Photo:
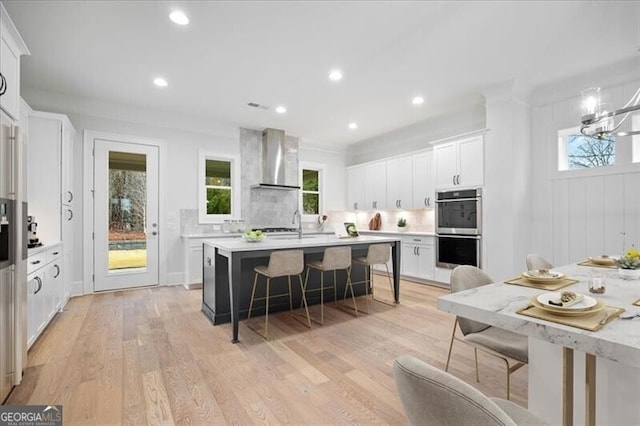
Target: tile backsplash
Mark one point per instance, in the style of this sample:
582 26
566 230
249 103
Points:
421 220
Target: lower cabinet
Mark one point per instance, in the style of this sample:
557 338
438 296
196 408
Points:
418 257
192 249
45 289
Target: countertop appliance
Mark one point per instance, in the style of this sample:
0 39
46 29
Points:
458 228
32 228
13 265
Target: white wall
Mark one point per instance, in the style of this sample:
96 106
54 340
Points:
181 160
576 217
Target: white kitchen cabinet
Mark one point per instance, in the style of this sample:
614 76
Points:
423 180
399 173
44 288
418 257
192 251
460 163
375 185
355 188
50 185
11 48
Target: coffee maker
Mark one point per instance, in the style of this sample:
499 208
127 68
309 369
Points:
32 227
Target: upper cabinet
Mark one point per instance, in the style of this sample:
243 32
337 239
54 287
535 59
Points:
400 183
423 180
11 48
355 188
460 163
375 186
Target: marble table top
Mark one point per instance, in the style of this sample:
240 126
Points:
496 304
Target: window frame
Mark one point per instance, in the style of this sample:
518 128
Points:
624 150
320 168
203 217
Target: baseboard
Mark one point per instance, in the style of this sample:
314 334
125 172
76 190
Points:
174 278
77 289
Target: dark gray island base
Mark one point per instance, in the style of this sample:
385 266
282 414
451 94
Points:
228 273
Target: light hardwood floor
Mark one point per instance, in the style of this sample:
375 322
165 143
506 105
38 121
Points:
150 357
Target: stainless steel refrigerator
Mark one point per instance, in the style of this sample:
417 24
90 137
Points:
13 253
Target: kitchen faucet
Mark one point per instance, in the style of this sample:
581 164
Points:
298 215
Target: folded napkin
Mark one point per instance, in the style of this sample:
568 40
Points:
559 302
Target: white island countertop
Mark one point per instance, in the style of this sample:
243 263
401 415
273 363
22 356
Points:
496 304
279 242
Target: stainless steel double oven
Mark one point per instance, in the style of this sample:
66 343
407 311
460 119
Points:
458 228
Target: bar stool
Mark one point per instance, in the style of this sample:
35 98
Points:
333 259
378 254
281 263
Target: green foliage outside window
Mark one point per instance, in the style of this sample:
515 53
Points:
218 183
218 201
310 192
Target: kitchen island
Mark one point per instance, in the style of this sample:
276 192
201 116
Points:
614 349
228 270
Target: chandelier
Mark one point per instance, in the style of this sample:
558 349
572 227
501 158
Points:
598 122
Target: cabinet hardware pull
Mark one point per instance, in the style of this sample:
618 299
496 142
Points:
400 203
3 84
70 214
35 262
39 280
70 197
208 261
57 271
55 253
418 249
428 201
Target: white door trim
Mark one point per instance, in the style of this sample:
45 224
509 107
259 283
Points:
88 213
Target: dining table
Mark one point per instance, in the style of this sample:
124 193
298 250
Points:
575 375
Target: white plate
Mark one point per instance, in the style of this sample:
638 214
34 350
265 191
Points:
543 276
587 302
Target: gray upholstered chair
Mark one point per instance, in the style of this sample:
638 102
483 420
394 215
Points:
535 261
497 342
281 263
431 396
333 259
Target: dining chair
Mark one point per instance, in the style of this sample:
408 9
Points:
281 263
502 344
430 396
535 261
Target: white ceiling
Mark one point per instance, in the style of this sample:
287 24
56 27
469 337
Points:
281 52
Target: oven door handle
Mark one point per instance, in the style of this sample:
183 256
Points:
452 200
467 237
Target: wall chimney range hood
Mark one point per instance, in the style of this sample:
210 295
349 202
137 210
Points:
277 154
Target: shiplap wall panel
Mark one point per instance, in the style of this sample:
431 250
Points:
613 201
632 209
577 219
594 212
560 226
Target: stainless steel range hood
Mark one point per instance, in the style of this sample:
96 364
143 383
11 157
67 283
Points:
277 153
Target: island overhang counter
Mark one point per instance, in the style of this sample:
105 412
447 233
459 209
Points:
228 268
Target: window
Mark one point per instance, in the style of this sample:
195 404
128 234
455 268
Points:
218 190
311 184
218 186
576 151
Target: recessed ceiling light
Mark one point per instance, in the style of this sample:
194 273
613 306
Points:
418 100
335 75
280 109
179 17
160 82
353 125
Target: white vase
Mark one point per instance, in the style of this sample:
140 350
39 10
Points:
629 274
402 228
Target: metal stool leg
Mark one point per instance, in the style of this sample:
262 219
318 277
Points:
266 315
253 294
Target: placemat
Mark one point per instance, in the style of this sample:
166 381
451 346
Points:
595 265
591 322
556 285
637 302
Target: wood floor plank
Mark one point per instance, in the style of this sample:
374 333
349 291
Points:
149 356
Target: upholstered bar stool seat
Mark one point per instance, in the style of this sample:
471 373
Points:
377 254
334 259
281 263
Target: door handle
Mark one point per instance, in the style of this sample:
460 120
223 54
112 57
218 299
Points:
154 233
